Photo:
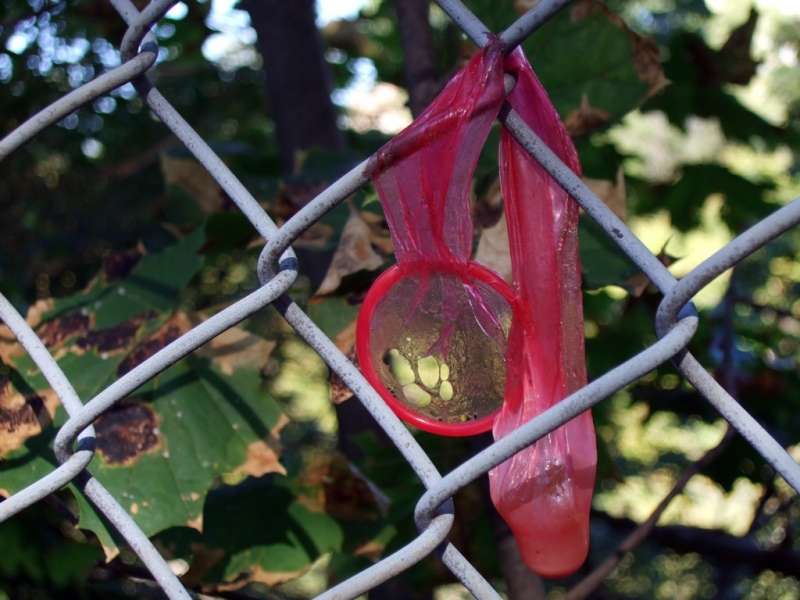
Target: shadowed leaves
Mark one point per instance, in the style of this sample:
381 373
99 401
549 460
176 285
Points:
202 420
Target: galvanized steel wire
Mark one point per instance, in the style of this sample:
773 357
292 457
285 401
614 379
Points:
676 321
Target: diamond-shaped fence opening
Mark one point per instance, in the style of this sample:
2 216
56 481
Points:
676 322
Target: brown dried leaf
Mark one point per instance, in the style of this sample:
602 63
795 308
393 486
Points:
647 62
378 231
345 341
354 254
258 575
489 206
9 346
237 348
262 456
585 118
38 310
272 578
190 176
337 487
23 416
315 237
493 249
523 6
734 59
637 284
109 552
52 335
112 339
612 193
339 391
55 332
372 550
196 523
232 349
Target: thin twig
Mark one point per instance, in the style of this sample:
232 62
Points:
760 306
758 514
593 580
732 555
133 581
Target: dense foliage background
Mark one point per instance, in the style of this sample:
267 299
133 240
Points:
235 460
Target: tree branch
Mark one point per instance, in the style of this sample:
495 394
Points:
721 547
134 164
759 306
758 514
416 39
298 81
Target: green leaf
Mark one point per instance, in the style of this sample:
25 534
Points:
40 554
332 314
243 545
698 77
91 520
602 261
744 199
155 284
616 75
160 450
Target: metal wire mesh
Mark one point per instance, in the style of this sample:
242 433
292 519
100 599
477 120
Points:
676 322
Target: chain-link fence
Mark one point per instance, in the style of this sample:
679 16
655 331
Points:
676 322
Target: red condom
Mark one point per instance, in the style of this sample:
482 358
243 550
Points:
450 346
543 492
433 331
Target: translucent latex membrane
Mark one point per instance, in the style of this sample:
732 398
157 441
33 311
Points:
432 333
439 352
543 492
455 350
